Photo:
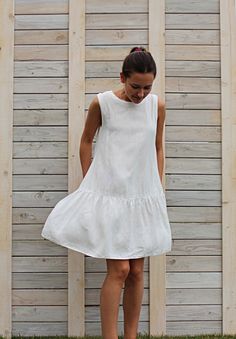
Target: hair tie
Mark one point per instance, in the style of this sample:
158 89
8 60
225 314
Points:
137 49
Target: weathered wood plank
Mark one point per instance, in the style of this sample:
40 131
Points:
37 248
41 6
194 327
39 313
39 280
49 21
193 133
41 69
39 297
192 21
193 52
39 328
39 101
191 37
193 296
37 150
40 85
193 312
41 52
193 6
40 117
196 181
193 230
193 101
43 182
193 117
194 214
193 263
193 85
42 133
183 149
41 37
195 166
193 68
196 247
193 198
40 264
40 166
37 199
123 6
6 119
194 280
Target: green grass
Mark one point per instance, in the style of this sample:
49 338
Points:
140 336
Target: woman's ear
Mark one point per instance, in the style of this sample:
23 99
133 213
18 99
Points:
122 77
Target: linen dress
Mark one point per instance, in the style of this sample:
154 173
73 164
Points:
119 209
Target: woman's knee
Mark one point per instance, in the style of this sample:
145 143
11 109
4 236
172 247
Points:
118 268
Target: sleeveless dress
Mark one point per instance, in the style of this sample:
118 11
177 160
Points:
119 209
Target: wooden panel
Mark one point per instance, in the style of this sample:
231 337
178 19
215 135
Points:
41 6
76 278
123 6
6 119
194 327
41 68
41 166
59 21
157 264
228 67
192 21
41 37
39 150
193 6
40 85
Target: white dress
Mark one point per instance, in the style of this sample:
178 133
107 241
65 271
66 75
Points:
119 209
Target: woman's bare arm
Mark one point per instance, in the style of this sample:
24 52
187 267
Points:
92 123
159 136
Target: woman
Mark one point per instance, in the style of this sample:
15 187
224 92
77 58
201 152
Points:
119 210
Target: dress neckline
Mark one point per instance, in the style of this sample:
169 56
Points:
128 102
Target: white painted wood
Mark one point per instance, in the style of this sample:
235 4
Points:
6 119
228 88
157 277
76 278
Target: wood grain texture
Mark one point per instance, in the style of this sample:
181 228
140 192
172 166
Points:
6 121
228 88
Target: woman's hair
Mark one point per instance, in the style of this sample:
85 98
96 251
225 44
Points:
138 60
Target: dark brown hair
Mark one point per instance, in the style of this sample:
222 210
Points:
138 60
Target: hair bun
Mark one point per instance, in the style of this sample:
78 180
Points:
138 49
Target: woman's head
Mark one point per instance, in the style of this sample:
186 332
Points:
138 73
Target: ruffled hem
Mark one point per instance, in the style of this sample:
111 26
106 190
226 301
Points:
105 226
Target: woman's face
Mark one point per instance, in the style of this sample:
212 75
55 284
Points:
137 86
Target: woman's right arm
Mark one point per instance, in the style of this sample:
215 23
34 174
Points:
92 123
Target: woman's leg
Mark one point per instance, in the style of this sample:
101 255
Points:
132 298
117 271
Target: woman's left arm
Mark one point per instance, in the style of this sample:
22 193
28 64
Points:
159 136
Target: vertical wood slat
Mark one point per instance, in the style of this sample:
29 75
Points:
76 283
228 109
6 121
157 264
